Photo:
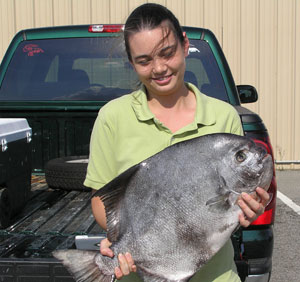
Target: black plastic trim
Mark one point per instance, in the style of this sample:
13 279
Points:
248 116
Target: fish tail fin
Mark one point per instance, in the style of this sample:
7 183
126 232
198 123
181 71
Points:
82 265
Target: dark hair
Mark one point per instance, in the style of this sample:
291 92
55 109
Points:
150 16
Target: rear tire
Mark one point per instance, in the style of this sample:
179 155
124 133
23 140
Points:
67 173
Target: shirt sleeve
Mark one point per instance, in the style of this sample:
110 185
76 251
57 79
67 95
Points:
237 127
101 166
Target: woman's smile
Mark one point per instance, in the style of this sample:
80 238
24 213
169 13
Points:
163 80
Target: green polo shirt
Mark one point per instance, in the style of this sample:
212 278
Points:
126 132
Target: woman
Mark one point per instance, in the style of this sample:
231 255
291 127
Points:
163 112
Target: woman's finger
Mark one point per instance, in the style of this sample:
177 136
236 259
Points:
252 208
118 273
130 262
243 220
124 266
247 215
264 196
104 248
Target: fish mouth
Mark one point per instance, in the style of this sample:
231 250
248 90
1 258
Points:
234 192
266 177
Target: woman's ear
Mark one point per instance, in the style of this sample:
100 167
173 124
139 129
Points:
186 45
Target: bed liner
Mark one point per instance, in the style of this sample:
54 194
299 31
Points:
50 220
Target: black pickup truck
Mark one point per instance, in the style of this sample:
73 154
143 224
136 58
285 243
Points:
57 79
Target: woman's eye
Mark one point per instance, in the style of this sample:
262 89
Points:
143 63
168 54
240 156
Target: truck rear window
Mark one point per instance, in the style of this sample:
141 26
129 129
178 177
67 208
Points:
87 69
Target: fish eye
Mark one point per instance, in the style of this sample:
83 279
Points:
240 156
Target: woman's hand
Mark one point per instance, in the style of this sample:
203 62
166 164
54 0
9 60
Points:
252 206
126 263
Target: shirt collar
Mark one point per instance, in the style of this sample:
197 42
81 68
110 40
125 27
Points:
205 113
140 105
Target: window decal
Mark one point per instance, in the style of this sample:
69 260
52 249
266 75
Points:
32 49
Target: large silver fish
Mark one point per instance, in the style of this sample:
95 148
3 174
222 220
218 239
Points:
176 209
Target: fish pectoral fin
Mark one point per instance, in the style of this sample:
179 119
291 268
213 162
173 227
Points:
222 192
219 203
232 198
222 189
111 195
222 201
225 197
216 200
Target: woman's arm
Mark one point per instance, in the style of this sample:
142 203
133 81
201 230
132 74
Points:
126 263
98 210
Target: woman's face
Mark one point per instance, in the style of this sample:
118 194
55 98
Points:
159 60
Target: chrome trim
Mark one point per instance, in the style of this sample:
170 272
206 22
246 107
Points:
258 278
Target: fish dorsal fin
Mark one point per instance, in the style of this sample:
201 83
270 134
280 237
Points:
111 195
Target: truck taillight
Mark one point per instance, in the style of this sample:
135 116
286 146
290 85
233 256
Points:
101 28
269 215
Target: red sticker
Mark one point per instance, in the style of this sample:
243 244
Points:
32 49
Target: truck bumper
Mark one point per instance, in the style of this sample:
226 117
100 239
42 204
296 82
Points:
255 270
258 278
255 246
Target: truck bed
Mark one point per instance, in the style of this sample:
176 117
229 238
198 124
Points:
50 220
